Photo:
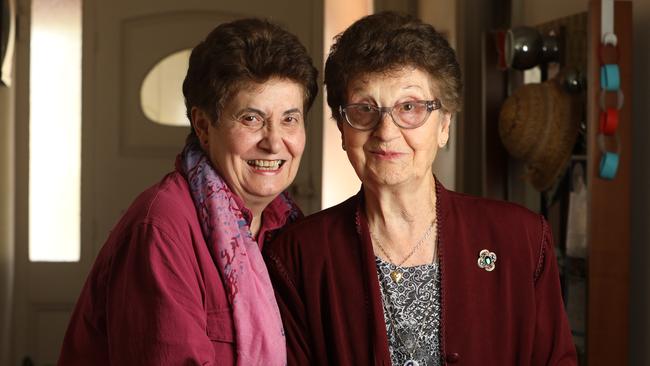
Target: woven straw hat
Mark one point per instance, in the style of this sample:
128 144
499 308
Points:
538 124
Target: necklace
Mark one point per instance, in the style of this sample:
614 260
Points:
396 274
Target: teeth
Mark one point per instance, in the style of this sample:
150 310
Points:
266 164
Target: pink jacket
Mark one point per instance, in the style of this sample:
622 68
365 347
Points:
154 295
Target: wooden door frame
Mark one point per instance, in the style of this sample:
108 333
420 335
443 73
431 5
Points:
472 130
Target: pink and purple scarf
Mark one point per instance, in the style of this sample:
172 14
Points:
259 333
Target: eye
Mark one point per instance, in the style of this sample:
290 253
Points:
251 119
366 108
361 108
407 107
293 119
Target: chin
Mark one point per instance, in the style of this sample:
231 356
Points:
389 178
268 192
386 182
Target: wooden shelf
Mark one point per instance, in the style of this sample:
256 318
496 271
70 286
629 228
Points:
596 286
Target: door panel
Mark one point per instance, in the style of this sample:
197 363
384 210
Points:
145 41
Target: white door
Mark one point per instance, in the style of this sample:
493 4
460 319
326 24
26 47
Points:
123 152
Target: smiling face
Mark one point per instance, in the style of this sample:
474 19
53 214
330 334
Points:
389 155
258 140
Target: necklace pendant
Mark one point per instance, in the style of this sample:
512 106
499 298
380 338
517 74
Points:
411 363
396 276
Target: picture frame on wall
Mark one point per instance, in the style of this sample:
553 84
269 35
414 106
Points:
7 40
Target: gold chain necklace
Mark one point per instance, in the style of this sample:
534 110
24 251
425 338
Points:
396 274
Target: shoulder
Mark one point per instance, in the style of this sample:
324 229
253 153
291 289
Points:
166 200
159 233
467 202
498 215
519 237
333 217
317 237
166 204
324 225
163 217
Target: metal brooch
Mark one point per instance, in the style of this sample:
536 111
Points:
486 260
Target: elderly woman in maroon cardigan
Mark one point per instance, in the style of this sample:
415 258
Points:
407 272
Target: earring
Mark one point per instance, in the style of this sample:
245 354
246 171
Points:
343 145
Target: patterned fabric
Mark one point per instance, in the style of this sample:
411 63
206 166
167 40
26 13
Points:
259 334
412 313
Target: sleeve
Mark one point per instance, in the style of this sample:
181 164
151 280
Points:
553 340
154 306
292 306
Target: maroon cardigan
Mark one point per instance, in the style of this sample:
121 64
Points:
323 270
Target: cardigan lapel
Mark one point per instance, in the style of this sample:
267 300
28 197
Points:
442 212
373 295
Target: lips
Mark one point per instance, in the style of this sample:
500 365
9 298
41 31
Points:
269 165
386 154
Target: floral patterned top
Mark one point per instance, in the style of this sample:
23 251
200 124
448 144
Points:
412 313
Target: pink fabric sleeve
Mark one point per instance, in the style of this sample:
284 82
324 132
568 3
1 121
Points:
154 305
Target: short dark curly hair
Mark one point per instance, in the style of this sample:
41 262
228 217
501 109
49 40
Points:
243 51
386 42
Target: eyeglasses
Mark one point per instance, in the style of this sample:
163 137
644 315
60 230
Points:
407 115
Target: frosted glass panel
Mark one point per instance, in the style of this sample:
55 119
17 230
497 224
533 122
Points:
339 179
161 94
55 131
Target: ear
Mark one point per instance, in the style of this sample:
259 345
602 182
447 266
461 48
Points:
201 123
443 132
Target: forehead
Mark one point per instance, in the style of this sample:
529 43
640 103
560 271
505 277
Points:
403 78
272 92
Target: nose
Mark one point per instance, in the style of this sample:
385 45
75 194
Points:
386 130
271 141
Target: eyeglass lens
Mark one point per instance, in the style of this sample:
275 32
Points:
407 114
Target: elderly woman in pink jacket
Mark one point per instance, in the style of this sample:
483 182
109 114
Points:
181 280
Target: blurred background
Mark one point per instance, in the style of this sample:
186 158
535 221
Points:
555 118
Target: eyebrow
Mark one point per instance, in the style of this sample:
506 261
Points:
252 110
264 115
357 89
292 111
413 86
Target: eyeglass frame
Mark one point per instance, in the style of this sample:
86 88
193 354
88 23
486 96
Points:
431 105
